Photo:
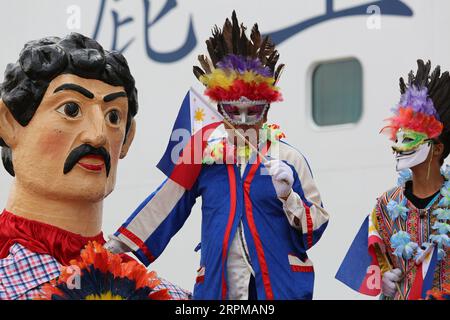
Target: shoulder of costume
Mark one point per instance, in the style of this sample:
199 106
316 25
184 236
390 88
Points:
395 192
391 194
24 270
291 155
288 148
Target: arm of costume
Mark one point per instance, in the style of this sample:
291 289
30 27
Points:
374 224
381 259
151 226
303 207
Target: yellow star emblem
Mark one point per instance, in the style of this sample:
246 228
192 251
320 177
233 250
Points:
199 115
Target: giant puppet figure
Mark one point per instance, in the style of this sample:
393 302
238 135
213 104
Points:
261 211
66 118
407 233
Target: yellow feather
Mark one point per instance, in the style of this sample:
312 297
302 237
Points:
224 79
104 296
250 76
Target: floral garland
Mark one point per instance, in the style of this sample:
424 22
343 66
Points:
214 152
272 132
401 243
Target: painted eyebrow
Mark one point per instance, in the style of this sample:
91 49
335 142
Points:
74 87
115 95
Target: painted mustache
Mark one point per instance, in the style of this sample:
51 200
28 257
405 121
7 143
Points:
86 150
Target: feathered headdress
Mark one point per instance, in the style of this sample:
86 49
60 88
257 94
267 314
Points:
239 67
424 103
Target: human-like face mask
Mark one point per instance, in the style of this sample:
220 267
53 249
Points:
243 112
411 148
71 147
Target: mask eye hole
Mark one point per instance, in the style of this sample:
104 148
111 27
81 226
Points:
407 140
255 110
232 110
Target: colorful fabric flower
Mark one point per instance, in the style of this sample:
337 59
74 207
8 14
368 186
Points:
104 276
244 152
442 214
445 171
396 209
440 239
403 176
272 132
422 250
214 151
442 227
445 192
402 245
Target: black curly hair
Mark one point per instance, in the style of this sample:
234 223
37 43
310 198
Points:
40 61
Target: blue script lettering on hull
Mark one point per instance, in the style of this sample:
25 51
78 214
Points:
387 7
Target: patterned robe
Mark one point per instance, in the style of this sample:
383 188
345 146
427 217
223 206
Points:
419 225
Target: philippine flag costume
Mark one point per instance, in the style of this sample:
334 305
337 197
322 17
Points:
261 211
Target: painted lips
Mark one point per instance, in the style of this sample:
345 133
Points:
92 162
89 158
404 153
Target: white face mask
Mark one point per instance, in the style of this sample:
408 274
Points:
407 160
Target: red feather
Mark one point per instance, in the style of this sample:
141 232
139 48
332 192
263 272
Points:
252 90
406 118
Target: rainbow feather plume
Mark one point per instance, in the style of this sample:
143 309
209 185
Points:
415 112
238 76
243 64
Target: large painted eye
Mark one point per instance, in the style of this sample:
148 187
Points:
70 109
113 117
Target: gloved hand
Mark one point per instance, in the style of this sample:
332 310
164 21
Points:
116 246
282 177
390 278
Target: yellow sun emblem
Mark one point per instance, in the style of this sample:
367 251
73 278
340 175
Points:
199 115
